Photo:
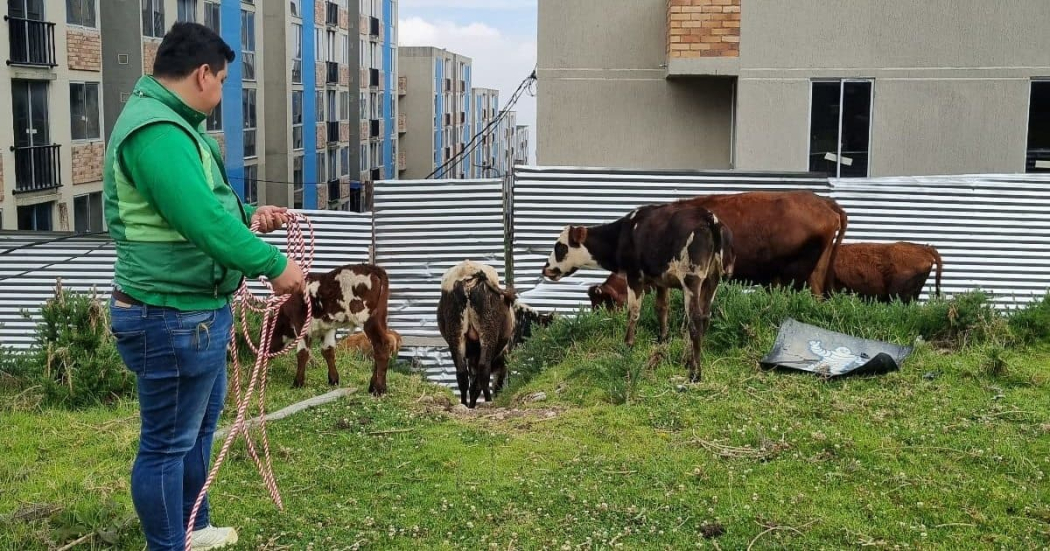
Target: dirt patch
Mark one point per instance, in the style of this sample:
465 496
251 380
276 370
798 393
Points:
712 530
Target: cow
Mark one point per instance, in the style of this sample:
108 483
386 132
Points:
884 271
481 322
674 245
781 237
611 294
348 297
359 341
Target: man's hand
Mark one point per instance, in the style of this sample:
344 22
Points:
290 281
270 218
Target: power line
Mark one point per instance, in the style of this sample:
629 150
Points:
50 264
53 240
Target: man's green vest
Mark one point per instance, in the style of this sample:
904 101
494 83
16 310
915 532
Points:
156 264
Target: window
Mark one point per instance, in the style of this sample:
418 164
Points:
297 53
215 119
297 119
36 217
364 106
363 159
80 12
153 18
251 184
331 43
364 55
344 159
319 101
840 123
1037 158
331 105
248 44
344 106
318 49
333 167
297 183
248 107
213 16
297 8
87 213
374 102
187 11
320 167
345 50
84 111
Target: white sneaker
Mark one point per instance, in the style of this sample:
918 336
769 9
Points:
213 537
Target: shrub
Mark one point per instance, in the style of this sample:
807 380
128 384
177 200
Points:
1031 324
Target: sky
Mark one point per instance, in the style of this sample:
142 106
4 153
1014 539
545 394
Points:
498 35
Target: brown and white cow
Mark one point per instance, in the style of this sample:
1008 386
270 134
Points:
781 237
348 297
884 271
481 322
674 245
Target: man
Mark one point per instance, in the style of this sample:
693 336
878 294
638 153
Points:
183 247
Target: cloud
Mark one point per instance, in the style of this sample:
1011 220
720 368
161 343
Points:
499 60
471 4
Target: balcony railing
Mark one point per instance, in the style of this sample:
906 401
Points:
332 14
37 168
373 128
32 42
332 72
373 78
377 174
333 192
373 26
333 133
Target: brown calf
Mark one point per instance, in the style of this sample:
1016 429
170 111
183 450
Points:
347 297
883 271
781 237
611 294
675 245
359 341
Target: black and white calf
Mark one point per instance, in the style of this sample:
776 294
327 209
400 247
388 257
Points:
481 322
674 245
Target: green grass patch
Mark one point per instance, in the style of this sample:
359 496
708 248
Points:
951 452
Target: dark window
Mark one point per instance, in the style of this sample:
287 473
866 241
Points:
83 110
297 119
248 106
297 54
248 44
297 183
80 12
87 213
251 184
1037 158
187 11
840 123
153 18
213 16
35 217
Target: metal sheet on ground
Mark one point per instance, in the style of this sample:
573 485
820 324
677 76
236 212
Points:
831 354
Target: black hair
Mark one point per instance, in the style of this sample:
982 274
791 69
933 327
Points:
186 47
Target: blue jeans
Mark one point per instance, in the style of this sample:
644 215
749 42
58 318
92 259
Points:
179 360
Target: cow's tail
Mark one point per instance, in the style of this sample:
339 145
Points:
508 295
940 268
829 277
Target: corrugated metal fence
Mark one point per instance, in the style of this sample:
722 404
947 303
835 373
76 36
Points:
992 231
547 199
423 228
27 276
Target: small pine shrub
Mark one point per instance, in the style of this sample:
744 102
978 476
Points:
75 359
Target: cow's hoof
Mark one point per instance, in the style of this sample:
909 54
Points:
333 382
377 389
694 377
297 384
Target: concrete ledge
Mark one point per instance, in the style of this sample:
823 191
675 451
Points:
703 66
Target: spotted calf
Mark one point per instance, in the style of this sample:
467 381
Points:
674 245
348 297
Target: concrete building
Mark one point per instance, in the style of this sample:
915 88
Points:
51 84
521 145
907 88
436 108
508 135
485 159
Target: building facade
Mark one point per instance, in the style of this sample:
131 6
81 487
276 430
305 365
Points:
521 145
51 84
438 111
904 89
485 159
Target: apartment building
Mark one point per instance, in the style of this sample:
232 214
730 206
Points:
436 107
909 88
508 135
486 159
51 163
521 145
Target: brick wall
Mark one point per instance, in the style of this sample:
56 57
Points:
322 196
363 25
344 19
344 74
364 78
87 162
364 129
149 54
84 49
344 189
319 12
344 131
322 135
221 139
703 28
320 73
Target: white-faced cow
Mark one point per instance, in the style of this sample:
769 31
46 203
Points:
481 322
347 297
674 245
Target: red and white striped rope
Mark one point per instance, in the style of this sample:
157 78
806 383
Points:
301 251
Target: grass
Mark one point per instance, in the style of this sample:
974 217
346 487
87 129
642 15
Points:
951 452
